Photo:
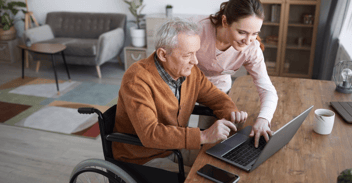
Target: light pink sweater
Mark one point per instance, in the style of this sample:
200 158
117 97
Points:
219 66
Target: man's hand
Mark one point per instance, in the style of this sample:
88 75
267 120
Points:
260 127
239 116
220 130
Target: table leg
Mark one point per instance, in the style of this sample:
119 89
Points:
63 57
57 83
22 63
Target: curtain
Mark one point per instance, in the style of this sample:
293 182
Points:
332 14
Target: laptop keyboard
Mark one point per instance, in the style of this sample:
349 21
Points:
246 152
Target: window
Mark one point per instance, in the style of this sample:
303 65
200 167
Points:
346 32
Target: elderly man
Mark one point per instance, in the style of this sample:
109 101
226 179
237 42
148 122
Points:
157 96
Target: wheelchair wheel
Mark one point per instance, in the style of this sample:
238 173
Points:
97 170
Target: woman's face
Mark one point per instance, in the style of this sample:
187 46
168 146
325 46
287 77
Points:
241 33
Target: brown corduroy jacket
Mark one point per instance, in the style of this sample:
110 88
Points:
148 108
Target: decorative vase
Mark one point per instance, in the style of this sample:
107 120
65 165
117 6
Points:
6 35
138 37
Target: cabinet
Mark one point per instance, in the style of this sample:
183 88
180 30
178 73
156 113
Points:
289 34
133 54
9 52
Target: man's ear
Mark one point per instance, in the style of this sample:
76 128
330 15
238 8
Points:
224 21
161 53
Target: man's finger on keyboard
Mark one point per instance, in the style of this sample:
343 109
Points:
230 125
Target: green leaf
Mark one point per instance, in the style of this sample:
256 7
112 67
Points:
133 11
133 5
6 27
140 10
127 2
5 18
15 6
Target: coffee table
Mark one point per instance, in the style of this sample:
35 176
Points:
48 49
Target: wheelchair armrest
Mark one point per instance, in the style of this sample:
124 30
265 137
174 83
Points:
124 138
202 110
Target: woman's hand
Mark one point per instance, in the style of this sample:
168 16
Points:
260 128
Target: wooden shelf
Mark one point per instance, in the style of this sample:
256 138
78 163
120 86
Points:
268 45
271 23
300 25
286 57
296 47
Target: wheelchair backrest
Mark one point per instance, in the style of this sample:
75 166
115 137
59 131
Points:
106 126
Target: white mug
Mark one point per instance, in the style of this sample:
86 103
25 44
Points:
324 121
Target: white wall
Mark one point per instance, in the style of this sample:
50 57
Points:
41 7
203 7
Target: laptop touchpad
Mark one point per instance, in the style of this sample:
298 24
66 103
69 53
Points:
235 139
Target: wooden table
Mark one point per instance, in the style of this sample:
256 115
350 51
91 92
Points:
49 49
308 157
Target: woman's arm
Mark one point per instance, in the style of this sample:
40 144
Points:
267 93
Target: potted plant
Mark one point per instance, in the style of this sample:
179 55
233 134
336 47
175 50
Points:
7 30
137 33
169 11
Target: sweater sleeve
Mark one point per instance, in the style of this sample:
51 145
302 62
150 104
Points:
153 124
267 92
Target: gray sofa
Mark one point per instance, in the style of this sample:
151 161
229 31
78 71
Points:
90 38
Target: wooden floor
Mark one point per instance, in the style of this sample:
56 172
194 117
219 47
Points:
35 156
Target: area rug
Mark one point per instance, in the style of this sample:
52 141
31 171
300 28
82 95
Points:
34 103
8 110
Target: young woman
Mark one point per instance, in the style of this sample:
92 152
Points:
228 41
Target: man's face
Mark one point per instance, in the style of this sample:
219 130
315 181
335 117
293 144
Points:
182 59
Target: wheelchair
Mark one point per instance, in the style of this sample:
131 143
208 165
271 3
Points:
114 171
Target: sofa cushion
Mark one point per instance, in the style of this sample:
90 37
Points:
83 25
38 34
82 47
78 47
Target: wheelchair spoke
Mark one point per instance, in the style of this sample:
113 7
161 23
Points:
96 174
105 180
86 178
80 180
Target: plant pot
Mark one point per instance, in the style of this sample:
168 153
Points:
169 12
138 37
6 35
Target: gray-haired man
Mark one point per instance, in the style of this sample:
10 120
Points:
157 96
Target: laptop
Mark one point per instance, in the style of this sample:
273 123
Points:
239 149
344 109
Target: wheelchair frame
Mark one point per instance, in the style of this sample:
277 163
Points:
120 169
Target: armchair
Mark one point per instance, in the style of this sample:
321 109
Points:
90 38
